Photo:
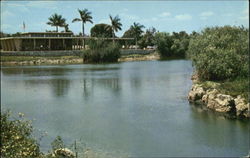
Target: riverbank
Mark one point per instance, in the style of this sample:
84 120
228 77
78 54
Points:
39 60
214 96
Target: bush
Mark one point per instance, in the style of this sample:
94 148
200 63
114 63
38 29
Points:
163 41
16 139
102 51
220 53
174 45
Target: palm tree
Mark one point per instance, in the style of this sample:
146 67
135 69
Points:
115 25
57 21
85 16
137 30
66 27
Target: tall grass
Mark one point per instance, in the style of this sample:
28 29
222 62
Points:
101 51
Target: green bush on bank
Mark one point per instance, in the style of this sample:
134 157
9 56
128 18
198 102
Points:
102 51
16 139
174 45
220 53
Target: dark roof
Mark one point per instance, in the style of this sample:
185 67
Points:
47 33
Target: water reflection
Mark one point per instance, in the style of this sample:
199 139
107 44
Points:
219 132
139 108
60 87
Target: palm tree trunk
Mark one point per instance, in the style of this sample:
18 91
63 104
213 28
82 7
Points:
83 35
113 35
56 28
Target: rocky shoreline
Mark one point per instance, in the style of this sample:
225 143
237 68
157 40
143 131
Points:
211 98
73 60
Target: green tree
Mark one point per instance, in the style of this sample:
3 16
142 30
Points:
57 143
57 21
220 53
85 16
180 43
163 41
101 30
115 25
148 38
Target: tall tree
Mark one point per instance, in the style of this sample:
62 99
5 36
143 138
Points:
57 21
85 16
137 30
115 24
101 30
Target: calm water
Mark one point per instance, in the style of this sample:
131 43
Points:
134 108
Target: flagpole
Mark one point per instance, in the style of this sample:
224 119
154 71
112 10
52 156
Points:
23 27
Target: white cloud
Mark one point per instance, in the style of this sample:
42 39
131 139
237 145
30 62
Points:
129 17
205 15
183 17
164 14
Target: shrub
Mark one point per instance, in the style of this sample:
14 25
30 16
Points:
163 41
102 51
16 139
220 53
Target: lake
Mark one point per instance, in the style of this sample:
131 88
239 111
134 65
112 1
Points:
136 109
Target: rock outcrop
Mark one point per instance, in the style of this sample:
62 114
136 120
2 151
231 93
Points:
226 104
64 153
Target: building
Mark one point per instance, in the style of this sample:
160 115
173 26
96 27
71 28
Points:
35 41
48 41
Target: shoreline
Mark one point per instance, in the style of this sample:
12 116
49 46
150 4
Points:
233 107
35 60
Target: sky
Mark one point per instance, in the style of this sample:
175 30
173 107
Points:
167 16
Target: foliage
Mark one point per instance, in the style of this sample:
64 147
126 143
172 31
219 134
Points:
148 38
180 44
102 51
57 143
163 41
174 45
16 139
220 53
135 31
85 16
57 21
238 86
115 24
101 30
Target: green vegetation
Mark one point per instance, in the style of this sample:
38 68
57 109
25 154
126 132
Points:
220 56
239 86
101 51
16 137
57 21
148 38
17 140
101 30
115 24
220 53
85 16
174 45
135 31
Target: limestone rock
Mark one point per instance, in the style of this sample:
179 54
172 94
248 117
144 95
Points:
209 95
64 153
221 103
196 93
242 109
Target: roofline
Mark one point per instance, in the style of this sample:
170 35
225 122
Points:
46 33
95 38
